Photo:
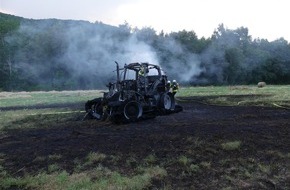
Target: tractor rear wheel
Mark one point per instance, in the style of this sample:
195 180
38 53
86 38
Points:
133 110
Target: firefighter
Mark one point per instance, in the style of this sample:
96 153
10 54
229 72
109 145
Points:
141 71
168 86
175 87
142 78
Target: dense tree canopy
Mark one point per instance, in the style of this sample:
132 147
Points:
64 54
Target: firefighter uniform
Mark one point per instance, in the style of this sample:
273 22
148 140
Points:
141 78
141 72
168 86
175 87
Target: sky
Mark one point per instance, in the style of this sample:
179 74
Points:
267 19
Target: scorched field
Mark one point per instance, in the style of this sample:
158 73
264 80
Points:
235 137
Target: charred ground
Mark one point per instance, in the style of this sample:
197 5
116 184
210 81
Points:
203 147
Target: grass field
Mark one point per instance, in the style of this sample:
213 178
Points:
20 105
221 95
30 110
271 96
241 95
9 99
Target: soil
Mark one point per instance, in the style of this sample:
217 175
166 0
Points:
196 133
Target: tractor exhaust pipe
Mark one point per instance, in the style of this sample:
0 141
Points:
118 75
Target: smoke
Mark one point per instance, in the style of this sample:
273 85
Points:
139 51
179 63
75 52
91 51
78 54
65 54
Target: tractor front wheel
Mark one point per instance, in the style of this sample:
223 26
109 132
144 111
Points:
167 101
95 109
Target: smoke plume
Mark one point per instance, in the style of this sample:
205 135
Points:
64 54
81 51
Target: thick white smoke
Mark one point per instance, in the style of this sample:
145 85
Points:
86 52
183 65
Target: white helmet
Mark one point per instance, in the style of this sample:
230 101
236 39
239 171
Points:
168 81
174 81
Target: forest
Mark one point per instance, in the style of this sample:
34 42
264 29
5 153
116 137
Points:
52 54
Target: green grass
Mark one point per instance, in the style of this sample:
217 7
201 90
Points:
271 95
183 160
233 145
150 159
27 117
98 178
224 95
94 157
194 168
34 118
9 99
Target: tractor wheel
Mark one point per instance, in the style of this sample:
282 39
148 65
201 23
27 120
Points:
95 109
133 110
167 101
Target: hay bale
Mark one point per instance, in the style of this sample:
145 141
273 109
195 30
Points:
261 84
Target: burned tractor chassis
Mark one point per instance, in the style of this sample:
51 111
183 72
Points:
134 99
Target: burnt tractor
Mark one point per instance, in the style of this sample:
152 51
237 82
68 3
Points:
139 92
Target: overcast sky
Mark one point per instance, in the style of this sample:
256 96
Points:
264 18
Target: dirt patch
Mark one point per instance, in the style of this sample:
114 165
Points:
188 145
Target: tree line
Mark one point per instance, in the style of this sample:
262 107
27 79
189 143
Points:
56 54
